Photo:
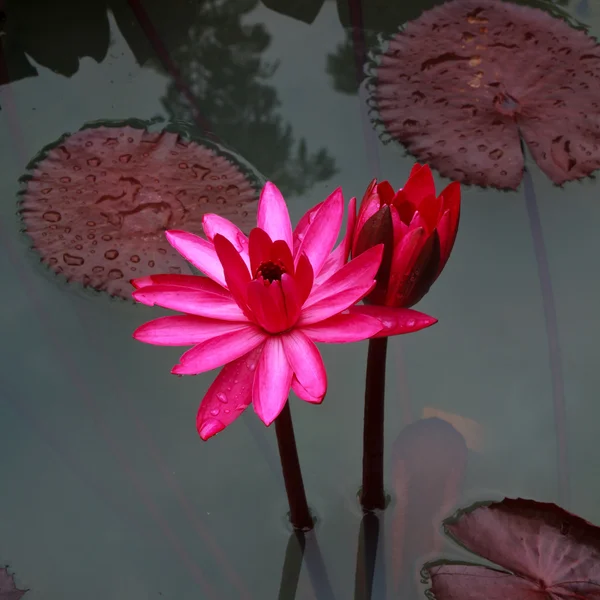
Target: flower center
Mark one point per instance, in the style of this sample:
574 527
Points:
270 270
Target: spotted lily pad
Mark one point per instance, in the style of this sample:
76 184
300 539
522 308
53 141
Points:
463 84
96 203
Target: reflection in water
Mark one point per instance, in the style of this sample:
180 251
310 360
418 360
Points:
220 79
112 444
56 35
304 546
541 550
461 85
471 430
429 461
221 61
97 203
301 10
367 559
292 565
554 347
583 8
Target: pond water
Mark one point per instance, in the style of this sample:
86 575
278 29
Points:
107 490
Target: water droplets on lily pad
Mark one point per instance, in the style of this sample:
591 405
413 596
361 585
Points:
462 84
96 203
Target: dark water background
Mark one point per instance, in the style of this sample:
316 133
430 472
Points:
106 489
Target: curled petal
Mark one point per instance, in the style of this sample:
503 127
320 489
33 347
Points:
343 328
321 234
306 362
273 215
183 330
219 350
228 396
216 225
201 253
191 301
394 321
272 381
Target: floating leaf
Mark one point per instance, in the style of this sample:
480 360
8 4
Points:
97 203
546 553
462 84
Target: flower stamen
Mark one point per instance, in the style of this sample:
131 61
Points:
270 270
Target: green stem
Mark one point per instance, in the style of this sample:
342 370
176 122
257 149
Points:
373 495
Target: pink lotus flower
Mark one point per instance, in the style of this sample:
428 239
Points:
417 229
266 300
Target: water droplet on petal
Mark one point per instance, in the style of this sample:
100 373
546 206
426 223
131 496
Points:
111 254
214 412
241 406
411 322
222 398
